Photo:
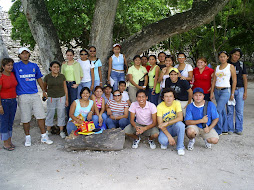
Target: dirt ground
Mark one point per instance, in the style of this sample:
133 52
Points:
228 165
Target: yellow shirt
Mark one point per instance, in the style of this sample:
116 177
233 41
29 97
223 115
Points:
69 71
168 113
137 74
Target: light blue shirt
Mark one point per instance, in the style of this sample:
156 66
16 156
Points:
118 62
97 64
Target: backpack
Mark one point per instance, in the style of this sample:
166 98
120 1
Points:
205 112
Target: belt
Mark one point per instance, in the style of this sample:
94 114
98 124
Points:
117 70
222 88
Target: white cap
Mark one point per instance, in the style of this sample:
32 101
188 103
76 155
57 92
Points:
116 45
24 49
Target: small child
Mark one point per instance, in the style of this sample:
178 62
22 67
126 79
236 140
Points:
125 95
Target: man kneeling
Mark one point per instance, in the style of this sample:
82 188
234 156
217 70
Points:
145 120
200 124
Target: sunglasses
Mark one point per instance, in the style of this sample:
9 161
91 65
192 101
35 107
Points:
117 95
83 54
181 57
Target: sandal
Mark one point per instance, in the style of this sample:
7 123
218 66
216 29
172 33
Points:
13 146
8 148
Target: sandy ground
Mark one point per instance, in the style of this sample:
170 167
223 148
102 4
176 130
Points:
228 165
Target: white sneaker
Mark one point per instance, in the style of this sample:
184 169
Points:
180 152
207 144
28 140
45 139
191 144
136 142
163 147
62 135
152 144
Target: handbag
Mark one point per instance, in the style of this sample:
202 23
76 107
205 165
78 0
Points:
142 82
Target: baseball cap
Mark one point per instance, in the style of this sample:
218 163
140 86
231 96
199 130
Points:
115 45
198 90
24 49
107 85
173 69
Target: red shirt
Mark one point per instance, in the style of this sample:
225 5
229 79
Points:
8 84
148 67
203 80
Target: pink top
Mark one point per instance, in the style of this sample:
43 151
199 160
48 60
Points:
143 115
98 104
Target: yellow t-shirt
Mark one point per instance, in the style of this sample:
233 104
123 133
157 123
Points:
168 113
137 74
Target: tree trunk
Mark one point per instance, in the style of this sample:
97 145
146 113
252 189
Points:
101 34
43 31
201 13
3 50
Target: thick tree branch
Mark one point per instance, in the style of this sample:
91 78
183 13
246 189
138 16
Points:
176 24
43 31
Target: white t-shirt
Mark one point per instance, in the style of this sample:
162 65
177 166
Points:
125 96
86 67
163 81
186 70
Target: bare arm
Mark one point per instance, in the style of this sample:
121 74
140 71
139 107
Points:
233 74
71 113
1 107
40 82
163 71
125 62
190 94
92 77
245 84
125 115
99 69
109 68
133 83
212 87
157 72
66 93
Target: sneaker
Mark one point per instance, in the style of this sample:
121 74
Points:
180 152
62 135
152 144
230 133
225 133
239 133
191 144
207 144
45 139
28 140
163 147
136 142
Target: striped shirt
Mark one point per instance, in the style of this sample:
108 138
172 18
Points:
117 109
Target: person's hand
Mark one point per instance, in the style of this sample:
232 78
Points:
1 110
140 87
44 94
89 116
211 96
66 103
153 92
244 96
113 117
74 86
101 84
109 82
186 106
140 130
205 119
171 141
91 88
100 120
79 121
163 125
164 70
183 78
231 97
206 129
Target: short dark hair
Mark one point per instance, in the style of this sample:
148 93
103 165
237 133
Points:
5 61
223 52
92 47
52 63
141 91
83 89
166 90
98 87
154 56
181 53
136 56
122 82
70 50
144 56
235 50
84 51
170 57
117 91
162 52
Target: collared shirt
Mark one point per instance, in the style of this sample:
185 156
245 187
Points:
143 115
203 80
137 74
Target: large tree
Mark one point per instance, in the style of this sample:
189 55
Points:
199 13
3 50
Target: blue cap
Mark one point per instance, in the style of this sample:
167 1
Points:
198 90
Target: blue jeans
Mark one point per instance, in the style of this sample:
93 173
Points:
122 123
238 109
117 77
83 84
6 120
72 95
96 83
71 127
153 98
176 129
96 118
222 97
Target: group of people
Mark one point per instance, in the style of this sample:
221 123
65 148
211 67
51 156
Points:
163 99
